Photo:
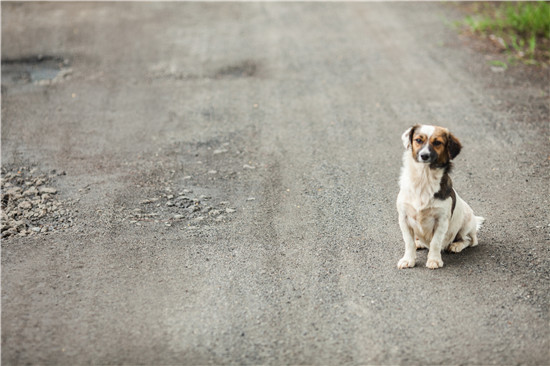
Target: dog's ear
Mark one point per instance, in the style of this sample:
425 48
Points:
453 146
407 136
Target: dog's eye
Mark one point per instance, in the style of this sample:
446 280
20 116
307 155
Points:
437 143
419 141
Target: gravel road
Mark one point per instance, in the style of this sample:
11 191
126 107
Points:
221 183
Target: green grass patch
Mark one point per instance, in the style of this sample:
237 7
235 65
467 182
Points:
498 63
520 28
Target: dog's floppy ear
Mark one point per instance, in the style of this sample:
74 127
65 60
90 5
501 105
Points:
453 146
407 136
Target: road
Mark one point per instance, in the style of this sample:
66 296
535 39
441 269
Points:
230 174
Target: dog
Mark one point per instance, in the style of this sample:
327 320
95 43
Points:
431 214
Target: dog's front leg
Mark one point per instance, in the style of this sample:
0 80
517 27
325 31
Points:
409 259
434 255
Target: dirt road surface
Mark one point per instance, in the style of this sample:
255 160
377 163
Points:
221 183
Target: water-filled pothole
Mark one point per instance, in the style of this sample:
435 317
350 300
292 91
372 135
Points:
35 69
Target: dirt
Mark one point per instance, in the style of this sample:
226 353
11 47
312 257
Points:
230 176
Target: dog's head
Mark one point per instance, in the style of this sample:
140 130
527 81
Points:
431 144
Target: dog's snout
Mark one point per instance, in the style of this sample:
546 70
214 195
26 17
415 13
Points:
424 156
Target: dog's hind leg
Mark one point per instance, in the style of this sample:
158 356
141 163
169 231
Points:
473 235
459 245
466 237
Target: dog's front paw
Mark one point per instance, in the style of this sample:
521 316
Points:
434 263
406 262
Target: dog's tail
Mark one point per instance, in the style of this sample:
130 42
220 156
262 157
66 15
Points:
479 222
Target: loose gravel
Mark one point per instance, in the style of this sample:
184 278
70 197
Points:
30 203
179 207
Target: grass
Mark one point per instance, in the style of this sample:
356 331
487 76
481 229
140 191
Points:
499 63
521 29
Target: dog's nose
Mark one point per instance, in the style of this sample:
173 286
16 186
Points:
425 156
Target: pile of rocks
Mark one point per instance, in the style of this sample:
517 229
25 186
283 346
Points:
30 205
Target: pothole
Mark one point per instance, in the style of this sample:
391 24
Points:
179 207
244 69
239 70
39 69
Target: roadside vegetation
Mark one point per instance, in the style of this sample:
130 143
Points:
519 30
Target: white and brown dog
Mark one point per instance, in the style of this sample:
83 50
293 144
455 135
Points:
431 214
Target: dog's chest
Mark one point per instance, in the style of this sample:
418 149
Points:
422 221
419 185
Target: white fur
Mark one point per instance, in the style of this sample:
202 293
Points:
426 221
427 130
405 138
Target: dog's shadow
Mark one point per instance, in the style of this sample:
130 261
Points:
468 256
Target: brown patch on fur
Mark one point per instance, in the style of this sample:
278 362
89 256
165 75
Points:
411 134
439 143
412 138
446 190
453 146
453 197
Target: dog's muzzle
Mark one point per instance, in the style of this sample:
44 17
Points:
426 155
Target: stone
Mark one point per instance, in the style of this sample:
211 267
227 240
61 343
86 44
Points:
192 209
13 191
25 205
32 191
